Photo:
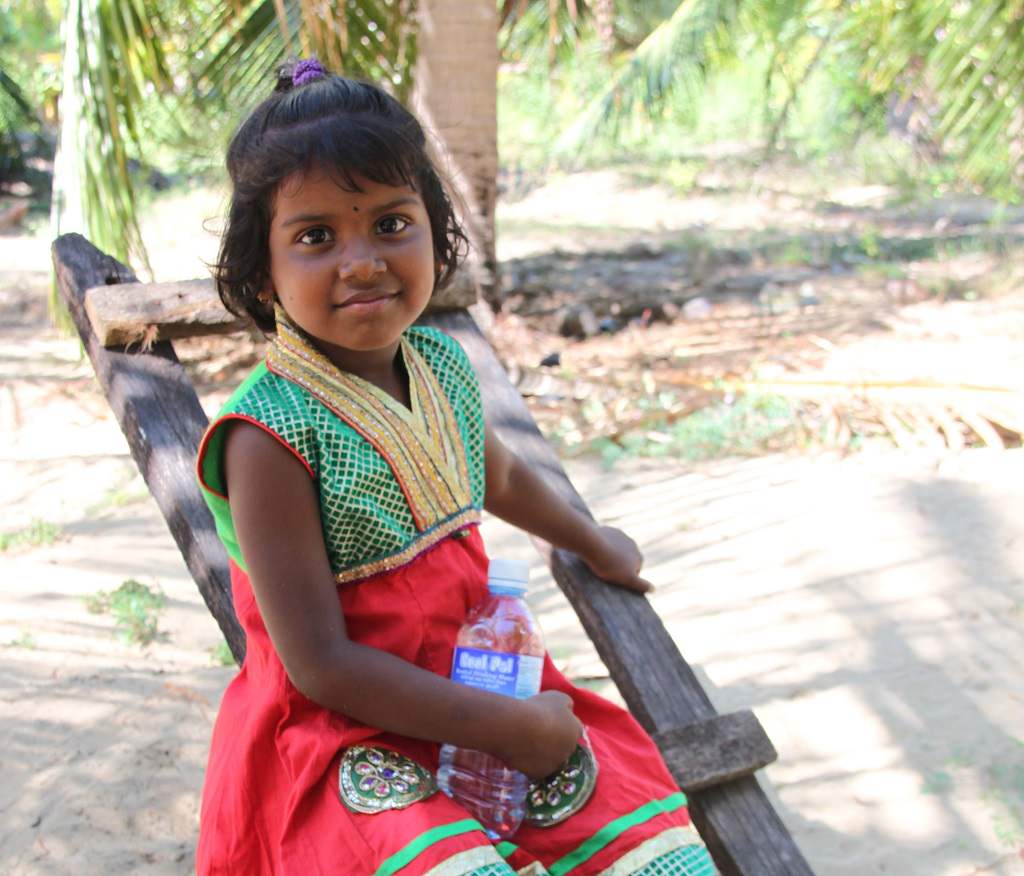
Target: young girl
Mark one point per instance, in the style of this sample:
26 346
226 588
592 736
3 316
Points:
347 475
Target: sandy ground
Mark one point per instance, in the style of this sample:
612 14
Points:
869 609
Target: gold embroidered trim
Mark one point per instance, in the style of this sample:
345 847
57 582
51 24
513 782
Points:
656 846
439 418
427 540
423 447
466 862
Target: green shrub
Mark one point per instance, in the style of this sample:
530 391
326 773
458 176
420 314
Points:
37 534
136 609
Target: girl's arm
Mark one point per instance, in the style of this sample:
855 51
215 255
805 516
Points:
515 493
276 513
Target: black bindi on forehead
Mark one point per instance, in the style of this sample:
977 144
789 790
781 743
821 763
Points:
355 209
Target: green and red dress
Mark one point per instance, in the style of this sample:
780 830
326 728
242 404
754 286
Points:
295 789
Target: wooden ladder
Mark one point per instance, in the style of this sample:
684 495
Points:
712 757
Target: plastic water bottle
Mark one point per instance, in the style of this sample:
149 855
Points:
499 649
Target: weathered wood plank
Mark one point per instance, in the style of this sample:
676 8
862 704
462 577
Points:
124 314
716 750
742 830
160 415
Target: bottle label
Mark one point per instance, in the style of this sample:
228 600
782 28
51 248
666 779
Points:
514 675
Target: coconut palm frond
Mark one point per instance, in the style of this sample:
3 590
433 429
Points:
633 21
239 48
15 114
381 43
676 55
511 10
514 13
962 66
243 43
14 97
112 56
982 112
955 69
797 35
543 29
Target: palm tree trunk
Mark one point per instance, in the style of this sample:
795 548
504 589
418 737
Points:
67 212
604 20
67 207
455 95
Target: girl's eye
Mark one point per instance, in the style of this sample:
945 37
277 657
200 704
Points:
391 225
315 236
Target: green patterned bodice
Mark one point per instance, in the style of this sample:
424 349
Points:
392 481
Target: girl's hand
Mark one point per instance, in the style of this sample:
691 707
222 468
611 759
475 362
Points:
519 495
550 737
616 558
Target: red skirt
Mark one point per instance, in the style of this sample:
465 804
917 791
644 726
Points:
271 804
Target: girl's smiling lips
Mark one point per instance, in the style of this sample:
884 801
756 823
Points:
366 300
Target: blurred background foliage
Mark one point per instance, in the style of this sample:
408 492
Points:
927 92
29 73
939 80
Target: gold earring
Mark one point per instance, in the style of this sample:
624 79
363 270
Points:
264 298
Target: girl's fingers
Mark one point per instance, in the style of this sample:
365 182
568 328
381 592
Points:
641 585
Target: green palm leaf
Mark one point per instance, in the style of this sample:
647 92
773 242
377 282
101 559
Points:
112 53
676 55
964 64
529 32
961 63
371 39
15 114
13 96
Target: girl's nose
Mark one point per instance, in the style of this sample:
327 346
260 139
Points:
360 263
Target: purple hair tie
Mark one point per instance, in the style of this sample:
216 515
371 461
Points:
307 70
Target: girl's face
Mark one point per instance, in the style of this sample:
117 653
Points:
352 269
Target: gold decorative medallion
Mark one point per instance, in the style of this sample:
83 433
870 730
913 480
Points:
372 780
552 800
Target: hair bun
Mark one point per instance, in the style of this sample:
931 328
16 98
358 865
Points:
283 76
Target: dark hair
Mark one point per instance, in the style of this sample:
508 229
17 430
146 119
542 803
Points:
351 129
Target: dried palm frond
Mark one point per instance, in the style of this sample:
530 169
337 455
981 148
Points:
914 412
